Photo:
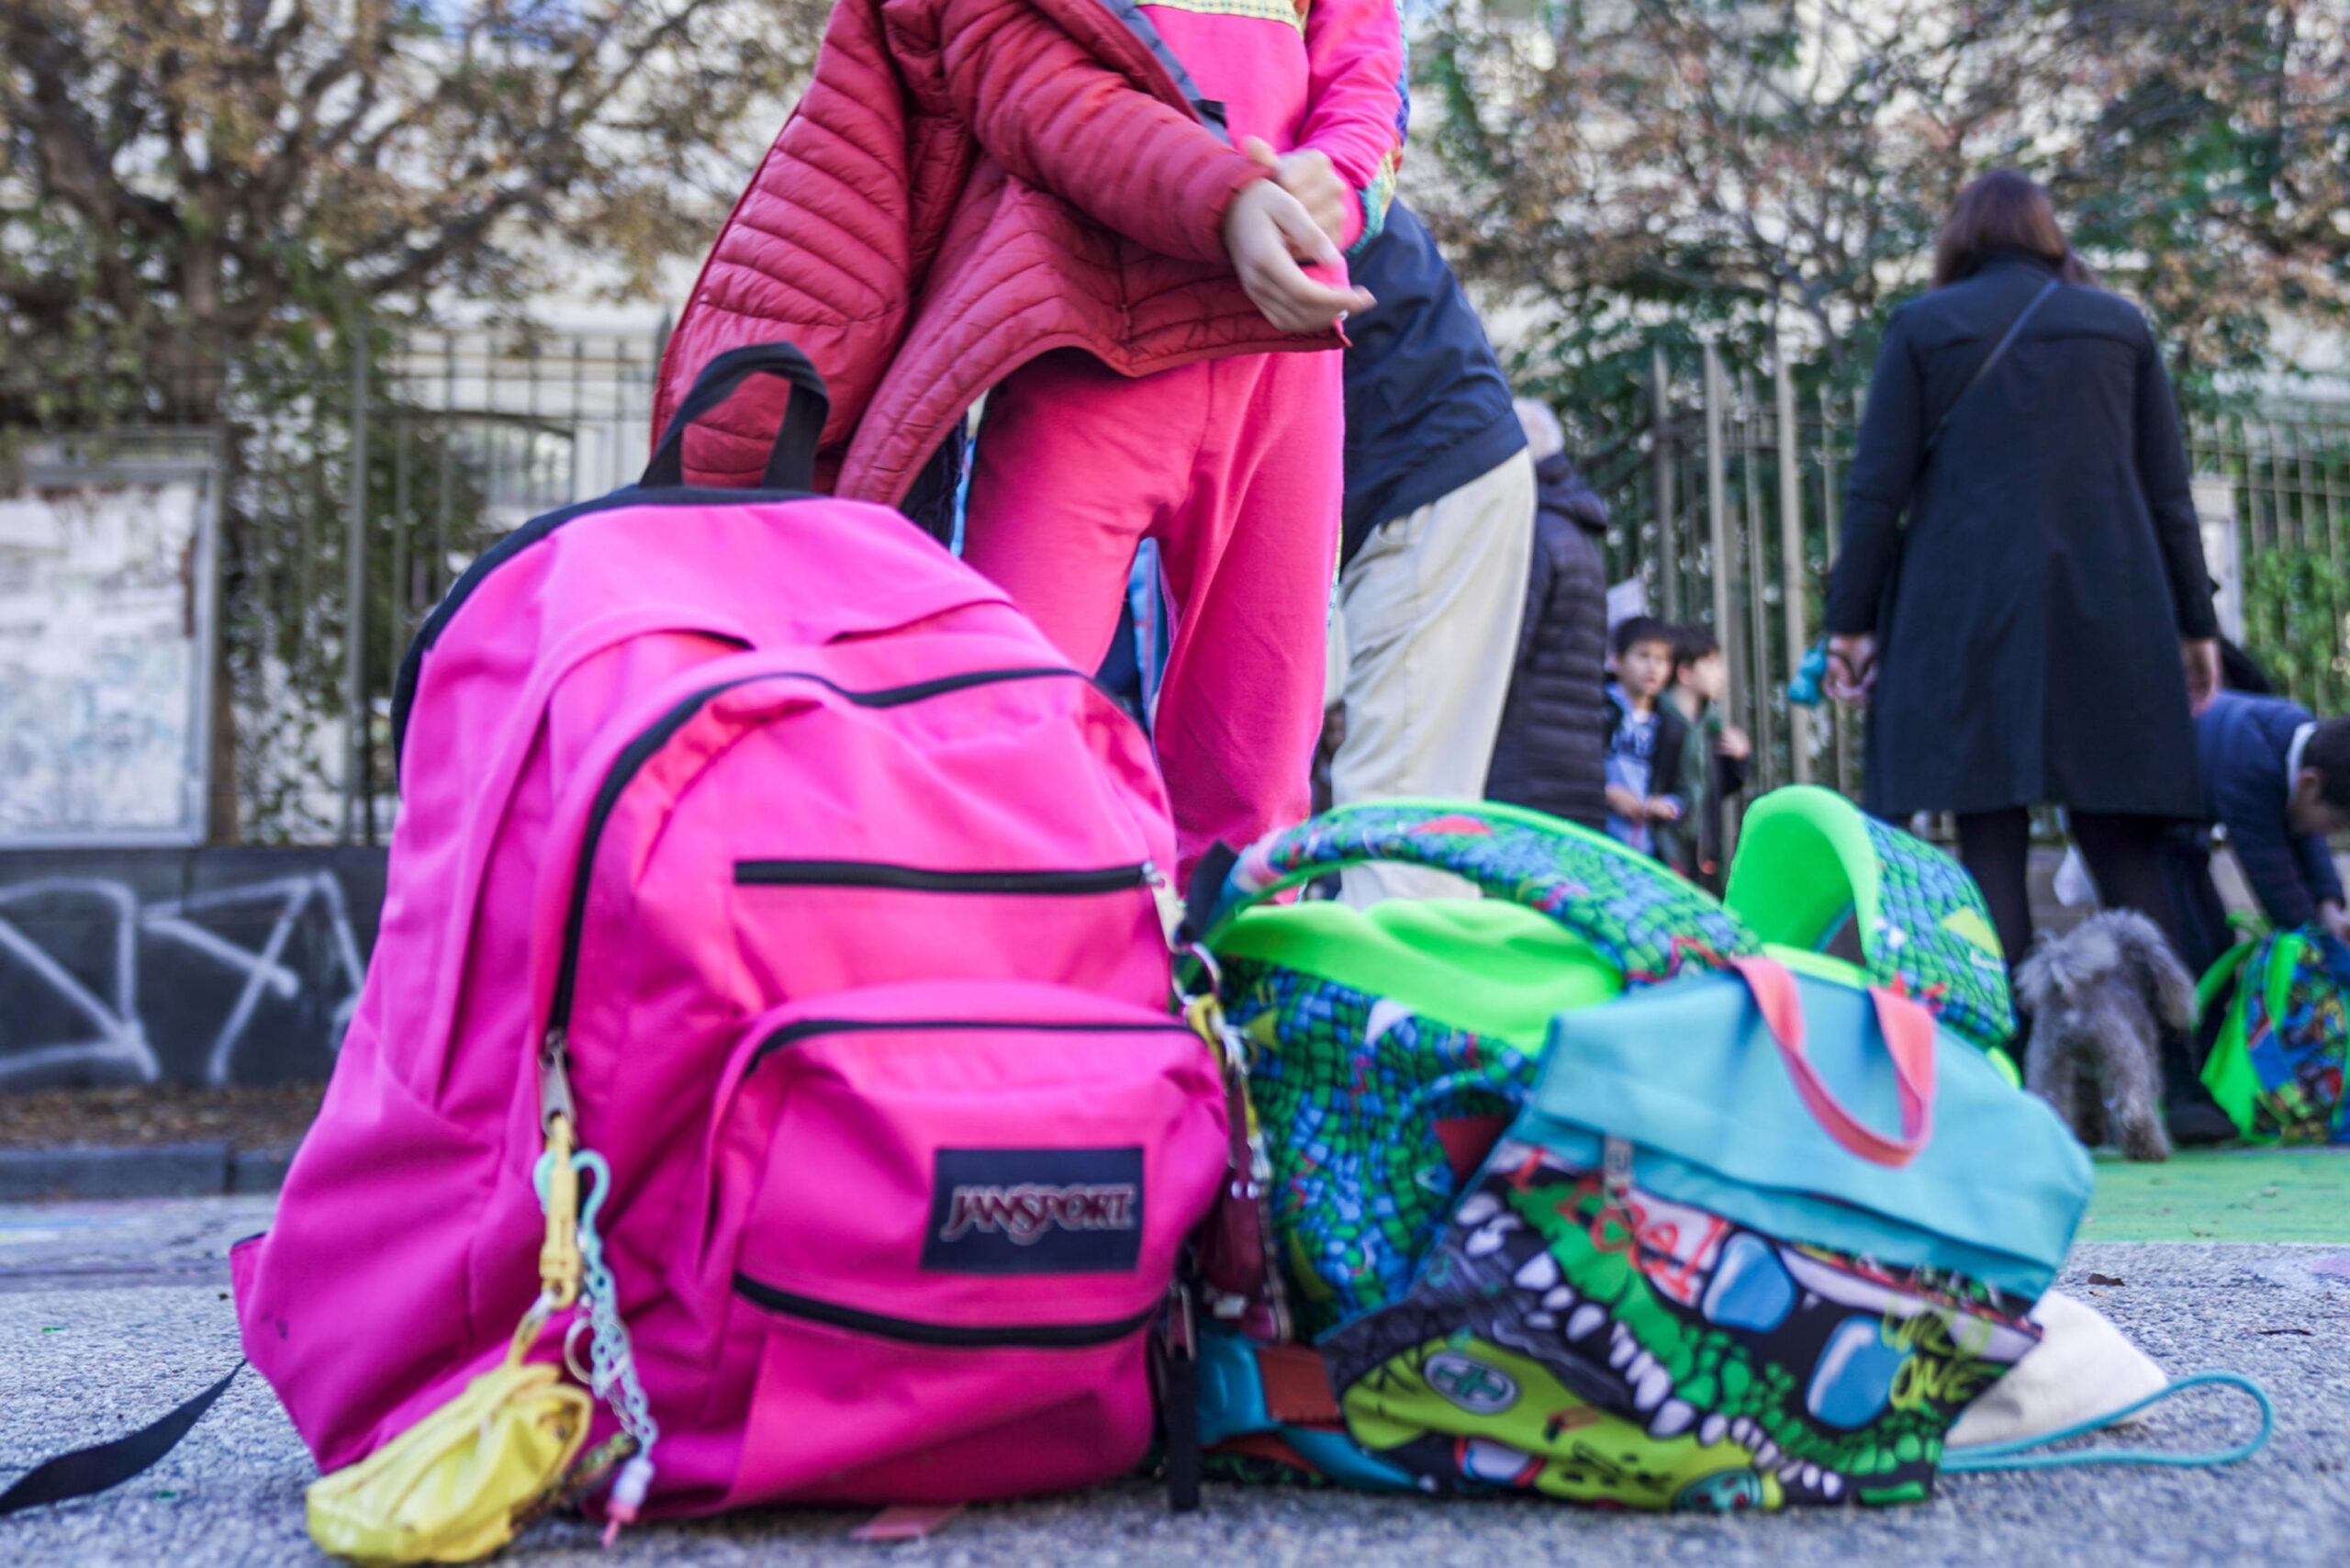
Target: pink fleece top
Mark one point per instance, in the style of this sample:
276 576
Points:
1326 74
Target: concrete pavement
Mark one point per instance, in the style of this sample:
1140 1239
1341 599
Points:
109 1314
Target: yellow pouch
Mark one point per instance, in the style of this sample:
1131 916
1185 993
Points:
457 1485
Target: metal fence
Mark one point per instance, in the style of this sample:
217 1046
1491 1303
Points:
2282 478
360 469
478 432
363 470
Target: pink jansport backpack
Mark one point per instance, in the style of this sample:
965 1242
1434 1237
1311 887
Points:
769 842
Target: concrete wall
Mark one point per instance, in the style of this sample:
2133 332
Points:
181 966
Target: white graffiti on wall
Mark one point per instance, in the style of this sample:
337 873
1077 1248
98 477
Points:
116 1040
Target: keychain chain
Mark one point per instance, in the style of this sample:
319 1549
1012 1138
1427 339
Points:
611 1361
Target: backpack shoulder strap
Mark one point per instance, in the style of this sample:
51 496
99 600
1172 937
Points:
1210 111
91 1470
1642 919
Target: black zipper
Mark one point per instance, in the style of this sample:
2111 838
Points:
654 737
1033 1336
919 879
412 668
806 1028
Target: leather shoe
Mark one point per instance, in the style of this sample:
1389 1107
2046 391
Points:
2199 1125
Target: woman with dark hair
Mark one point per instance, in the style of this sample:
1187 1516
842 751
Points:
2042 628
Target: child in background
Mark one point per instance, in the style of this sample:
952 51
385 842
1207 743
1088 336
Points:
1233 465
1645 736
1713 764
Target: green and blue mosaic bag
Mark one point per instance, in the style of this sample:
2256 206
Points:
2277 1064
1387 1048
1698 1271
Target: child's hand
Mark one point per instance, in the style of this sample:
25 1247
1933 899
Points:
1734 744
1309 177
1663 809
1266 231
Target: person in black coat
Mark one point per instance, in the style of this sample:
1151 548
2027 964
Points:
2042 631
1550 752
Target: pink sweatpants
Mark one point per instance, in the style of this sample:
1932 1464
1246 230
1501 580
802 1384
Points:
1233 466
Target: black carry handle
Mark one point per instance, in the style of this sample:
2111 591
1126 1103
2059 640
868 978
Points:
85 1472
791 465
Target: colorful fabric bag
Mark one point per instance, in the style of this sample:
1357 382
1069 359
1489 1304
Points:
1815 872
1698 1272
1388 1048
2275 1066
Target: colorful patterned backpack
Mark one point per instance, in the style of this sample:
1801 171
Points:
1697 1272
2276 1067
1388 1047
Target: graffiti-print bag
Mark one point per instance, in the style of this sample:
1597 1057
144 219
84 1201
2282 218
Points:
1696 1273
2276 1065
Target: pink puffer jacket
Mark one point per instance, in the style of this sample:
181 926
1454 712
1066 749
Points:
919 227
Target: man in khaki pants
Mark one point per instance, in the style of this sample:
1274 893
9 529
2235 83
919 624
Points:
1439 534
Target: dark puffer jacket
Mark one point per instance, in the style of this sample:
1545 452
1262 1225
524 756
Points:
1549 754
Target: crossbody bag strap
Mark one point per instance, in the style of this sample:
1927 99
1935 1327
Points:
1997 348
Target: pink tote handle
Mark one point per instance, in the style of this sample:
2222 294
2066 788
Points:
1909 1030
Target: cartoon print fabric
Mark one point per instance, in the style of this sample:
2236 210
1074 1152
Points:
2297 1049
1621 1349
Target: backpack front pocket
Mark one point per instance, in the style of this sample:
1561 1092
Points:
948 1215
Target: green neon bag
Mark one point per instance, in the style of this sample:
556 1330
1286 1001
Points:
1816 873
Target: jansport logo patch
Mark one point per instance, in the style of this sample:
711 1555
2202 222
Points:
1027 1212
1034 1210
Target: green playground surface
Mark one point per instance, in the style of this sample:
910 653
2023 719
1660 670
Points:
2223 1195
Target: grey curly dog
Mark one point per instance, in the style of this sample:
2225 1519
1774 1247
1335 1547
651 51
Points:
2099 998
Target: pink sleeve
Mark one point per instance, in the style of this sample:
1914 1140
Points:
1354 50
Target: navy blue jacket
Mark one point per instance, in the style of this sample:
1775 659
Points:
1427 407
2242 743
1550 752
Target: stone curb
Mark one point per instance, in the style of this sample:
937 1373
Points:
158 1170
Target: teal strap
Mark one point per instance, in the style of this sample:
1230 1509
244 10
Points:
2012 1454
